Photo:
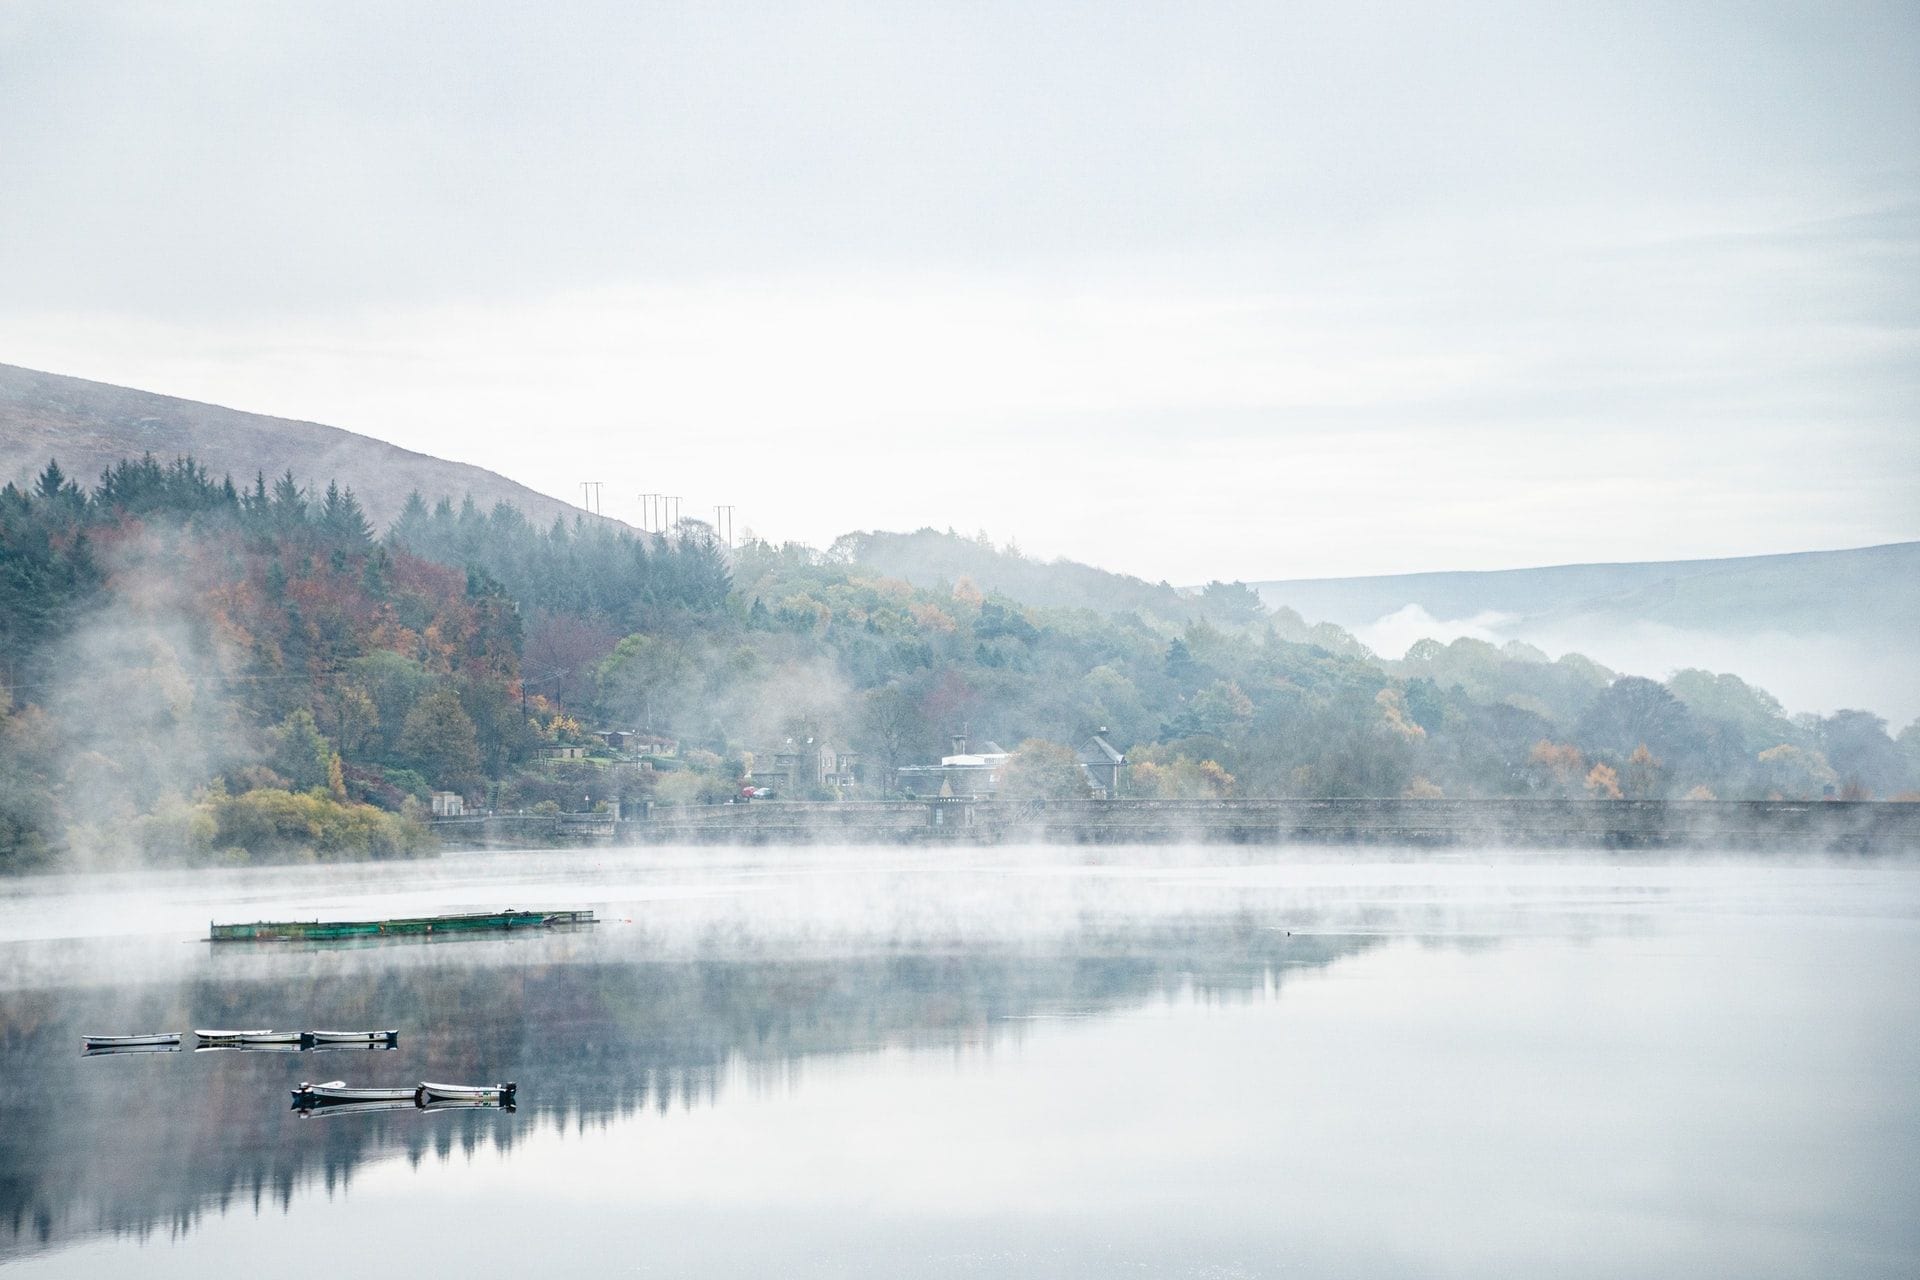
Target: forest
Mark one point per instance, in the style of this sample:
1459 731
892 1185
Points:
194 671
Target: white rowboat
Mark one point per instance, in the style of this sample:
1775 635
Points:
255 1039
134 1042
355 1108
230 1037
314 1039
337 1091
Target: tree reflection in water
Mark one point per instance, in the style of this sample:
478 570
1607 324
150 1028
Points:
146 1143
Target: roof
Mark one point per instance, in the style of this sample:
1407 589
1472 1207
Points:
1098 749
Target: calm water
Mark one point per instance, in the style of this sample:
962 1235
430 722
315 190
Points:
1043 1062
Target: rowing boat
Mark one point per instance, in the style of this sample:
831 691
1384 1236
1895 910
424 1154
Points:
501 1093
229 1037
338 1091
150 1041
308 1110
317 1039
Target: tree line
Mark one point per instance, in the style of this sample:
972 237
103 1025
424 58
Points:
194 669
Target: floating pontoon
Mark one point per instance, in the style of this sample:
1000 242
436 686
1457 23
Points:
508 920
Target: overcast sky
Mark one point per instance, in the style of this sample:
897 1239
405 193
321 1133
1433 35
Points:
1192 290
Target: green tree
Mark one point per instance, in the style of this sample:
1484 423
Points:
393 682
644 680
439 740
301 754
1232 604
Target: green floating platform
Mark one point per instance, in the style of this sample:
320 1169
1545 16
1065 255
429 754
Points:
406 926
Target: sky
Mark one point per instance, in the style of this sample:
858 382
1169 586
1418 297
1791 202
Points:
1187 290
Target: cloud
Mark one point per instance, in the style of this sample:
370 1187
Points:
1391 636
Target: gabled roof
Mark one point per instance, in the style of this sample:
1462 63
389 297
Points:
1099 750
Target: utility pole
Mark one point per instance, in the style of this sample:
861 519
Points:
723 523
590 495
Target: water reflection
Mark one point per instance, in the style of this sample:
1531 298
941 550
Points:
1072 1062
133 1146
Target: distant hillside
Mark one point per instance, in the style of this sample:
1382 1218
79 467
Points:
1822 629
1801 591
88 426
927 557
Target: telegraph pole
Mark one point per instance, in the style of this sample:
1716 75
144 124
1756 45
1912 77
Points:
590 496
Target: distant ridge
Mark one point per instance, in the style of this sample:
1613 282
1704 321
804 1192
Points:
88 426
1870 588
1820 629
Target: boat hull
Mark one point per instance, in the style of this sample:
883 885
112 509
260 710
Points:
337 1091
321 1039
308 1110
151 1040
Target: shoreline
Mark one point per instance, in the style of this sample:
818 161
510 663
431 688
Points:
1821 826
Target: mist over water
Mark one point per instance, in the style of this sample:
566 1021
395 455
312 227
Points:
1194 1061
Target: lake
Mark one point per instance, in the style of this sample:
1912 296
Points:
1053 1061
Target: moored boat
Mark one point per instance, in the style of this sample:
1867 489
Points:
152 1040
308 1110
339 1091
321 1039
229 1037
501 1093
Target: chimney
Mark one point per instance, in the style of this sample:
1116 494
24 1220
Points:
959 744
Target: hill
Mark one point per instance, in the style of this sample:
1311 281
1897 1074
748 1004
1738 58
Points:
1822 629
89 426
927 557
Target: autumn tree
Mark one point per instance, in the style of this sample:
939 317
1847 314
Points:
1642 773
1788 772
1042 770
